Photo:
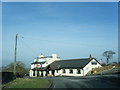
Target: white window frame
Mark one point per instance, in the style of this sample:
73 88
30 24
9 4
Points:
92 63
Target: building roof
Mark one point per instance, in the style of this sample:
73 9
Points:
71 63
45 57
38 63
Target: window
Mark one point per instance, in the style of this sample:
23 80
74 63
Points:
37 73
78 71
94 63
56 71
71 71
63 70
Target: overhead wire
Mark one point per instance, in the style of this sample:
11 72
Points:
25 44
38 39
30 38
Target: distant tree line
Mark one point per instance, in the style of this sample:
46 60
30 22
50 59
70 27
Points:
20 68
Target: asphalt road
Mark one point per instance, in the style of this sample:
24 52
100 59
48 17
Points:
94 81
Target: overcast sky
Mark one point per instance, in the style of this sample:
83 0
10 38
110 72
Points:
71 30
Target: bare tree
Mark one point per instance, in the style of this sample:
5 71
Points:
108 55
20 68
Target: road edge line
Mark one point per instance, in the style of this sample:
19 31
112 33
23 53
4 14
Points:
51 85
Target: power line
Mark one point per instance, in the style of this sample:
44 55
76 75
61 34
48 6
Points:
35 39
90 49
30 48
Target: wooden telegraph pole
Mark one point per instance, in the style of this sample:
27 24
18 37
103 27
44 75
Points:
15 53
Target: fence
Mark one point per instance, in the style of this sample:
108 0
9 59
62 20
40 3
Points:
7 77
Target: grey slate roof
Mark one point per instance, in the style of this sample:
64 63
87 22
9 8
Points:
71 63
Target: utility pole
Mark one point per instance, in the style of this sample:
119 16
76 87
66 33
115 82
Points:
102 68
15 53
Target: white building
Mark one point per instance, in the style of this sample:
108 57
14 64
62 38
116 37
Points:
53 66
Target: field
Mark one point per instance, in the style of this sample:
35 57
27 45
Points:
105 68
27 83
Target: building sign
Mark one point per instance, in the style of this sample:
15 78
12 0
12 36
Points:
38 65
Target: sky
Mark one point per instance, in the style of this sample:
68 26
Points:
68 29
60 0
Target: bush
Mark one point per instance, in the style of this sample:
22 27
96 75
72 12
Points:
20 68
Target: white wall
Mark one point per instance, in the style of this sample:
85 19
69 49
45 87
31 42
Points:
32 66
89 67
47 61
44 73
39 73
67 72
35 60
30 73
84 71
57 73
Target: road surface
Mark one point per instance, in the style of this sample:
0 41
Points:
95 81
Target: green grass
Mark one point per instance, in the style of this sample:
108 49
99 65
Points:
28 83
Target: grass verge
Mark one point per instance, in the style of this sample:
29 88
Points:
27 83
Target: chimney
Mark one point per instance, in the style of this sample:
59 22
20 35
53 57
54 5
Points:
90 56
41 56
54 55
